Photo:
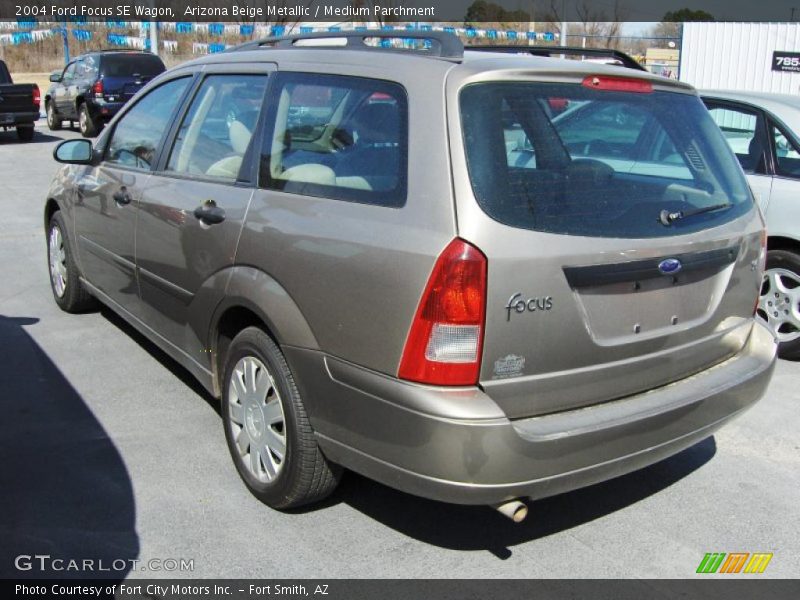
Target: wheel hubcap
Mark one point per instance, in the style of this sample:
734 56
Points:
257 423
58 261
779 303
82 120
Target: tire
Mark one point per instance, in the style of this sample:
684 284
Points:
54 122
86 124
71 297
779 303
25 134
256 411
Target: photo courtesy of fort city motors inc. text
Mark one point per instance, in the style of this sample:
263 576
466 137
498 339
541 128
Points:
400 299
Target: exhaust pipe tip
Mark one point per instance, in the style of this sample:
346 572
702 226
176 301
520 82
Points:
513 509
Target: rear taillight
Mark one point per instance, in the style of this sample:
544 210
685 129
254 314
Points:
617 84
445 341
97 88
37 95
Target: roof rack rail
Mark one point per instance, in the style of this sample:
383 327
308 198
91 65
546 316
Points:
443 44
117 50
549 51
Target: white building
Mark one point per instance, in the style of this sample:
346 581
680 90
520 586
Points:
760 57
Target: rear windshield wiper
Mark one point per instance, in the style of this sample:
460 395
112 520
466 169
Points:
668 218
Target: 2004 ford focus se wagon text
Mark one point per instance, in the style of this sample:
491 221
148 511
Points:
472 276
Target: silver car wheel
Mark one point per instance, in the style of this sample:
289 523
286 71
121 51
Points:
257 422
82 116
58 261
779 303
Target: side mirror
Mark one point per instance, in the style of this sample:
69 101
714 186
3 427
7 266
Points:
74 152
55 76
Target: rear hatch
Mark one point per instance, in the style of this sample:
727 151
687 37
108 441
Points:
621 237
123 75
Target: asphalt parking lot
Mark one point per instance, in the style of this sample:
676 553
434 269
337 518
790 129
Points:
110 451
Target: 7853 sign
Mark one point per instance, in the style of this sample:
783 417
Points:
786 61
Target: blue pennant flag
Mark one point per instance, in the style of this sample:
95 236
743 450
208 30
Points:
82 35
21 37
246 30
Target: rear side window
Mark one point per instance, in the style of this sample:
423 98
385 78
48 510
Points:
564 158
216 131
131 65
338 137
136 137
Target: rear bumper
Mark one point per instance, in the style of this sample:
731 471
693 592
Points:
455 445
18 118
102 110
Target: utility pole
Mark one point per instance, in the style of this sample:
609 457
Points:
153 31
564 26
65 37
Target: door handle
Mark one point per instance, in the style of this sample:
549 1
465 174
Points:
209 213
122 197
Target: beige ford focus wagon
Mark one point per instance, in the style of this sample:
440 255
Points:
472 276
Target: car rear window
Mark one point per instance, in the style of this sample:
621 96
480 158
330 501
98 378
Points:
565 158
129 65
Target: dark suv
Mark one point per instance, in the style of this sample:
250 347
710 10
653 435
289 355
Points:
92 88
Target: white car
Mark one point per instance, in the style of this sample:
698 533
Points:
764 132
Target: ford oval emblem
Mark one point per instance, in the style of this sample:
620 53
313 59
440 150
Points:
668 266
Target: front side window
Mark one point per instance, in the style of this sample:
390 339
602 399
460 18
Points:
569 159
69 72
741 131
338 137
137 135
216 131
787 155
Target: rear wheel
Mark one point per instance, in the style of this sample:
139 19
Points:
25 134
779 303
267 429
86 124
68 292
54 122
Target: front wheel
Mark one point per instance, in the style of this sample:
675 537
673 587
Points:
779 303
68 291
267 429
54 122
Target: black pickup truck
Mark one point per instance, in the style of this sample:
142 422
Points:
19 105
